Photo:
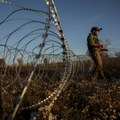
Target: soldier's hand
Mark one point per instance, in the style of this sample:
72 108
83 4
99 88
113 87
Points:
101 45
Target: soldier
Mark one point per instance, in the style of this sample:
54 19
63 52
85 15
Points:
95 50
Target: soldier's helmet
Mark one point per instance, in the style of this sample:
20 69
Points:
93 29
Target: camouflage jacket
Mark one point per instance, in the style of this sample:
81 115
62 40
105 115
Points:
92 37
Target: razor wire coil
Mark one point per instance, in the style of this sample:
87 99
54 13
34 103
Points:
38 54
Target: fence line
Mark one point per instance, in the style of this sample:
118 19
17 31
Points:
35 52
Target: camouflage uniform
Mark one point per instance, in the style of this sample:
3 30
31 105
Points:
96 55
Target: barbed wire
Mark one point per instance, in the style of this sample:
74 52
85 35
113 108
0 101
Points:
35 52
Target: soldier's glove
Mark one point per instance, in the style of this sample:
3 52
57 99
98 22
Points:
101 45
102 48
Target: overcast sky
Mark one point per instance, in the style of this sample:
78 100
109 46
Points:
77 18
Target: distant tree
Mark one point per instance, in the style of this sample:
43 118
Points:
117 54
20 61
105 43
2 61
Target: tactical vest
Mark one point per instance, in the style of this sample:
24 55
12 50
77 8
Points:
95 39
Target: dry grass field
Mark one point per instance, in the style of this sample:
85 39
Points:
83 98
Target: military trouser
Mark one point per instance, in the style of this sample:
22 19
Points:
97 57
